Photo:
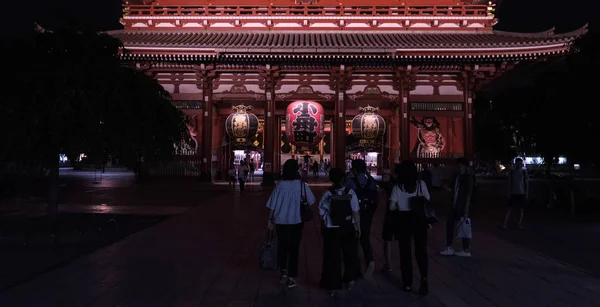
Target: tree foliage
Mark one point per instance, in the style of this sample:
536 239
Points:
551 114
69 93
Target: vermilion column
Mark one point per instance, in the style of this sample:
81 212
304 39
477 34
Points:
404 129
207 133
270 131
394 142
217 144
277 145
469 146
332 141
340 131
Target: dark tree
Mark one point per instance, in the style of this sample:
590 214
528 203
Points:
547 111
68 92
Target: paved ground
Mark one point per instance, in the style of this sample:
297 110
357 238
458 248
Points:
207 256
550 232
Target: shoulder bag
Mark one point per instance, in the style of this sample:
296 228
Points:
305 211
422 207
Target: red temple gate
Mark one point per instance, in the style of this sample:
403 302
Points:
420 62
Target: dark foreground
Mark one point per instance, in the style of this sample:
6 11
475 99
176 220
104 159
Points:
28 248
207 256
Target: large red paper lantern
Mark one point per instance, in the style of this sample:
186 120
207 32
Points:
305 123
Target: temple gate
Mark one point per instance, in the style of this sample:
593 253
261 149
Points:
418 62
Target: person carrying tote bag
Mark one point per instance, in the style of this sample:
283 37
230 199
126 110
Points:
422 207
268 252
408 225
463 229
285 216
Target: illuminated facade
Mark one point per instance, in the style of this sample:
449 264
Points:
418 62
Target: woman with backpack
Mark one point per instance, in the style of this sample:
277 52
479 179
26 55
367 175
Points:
407 227
286 219
339 211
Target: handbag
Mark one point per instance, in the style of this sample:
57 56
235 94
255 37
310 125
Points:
463 228
267 259
305 211
422 207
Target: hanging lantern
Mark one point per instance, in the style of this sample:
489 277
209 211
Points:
241 125
368 126
305 123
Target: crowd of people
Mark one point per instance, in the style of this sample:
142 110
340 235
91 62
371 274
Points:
244 173
346 212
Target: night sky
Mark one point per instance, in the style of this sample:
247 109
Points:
515 15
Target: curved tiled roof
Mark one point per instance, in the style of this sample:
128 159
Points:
326 40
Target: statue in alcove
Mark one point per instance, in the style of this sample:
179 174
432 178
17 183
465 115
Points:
430 140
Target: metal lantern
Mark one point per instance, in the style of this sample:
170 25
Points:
305 123
368 126
241 125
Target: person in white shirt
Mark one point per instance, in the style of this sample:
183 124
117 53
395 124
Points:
232 174
339 211
518 188
285 218
407 227
242 173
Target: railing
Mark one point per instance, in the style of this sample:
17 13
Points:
187 104
308 10
177 168
436 106
441 155
185 152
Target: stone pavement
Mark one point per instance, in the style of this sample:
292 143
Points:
208 256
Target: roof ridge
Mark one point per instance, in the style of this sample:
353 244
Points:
575 33
546 33
245 32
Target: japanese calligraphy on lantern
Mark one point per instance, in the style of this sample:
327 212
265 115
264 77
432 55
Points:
305 123
368 125
241 125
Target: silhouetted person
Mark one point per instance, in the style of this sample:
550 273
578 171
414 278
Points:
339 210
518 188
365 188
285 218
461 200
408 228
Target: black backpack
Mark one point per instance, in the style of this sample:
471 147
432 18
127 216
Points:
340 208
367 196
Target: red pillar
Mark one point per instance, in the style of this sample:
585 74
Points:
217 145
332 141
404 128
276 144
199 121
207 132
340 130
270 133
469 146
394 141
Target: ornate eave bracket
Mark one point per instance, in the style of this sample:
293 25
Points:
239 92
372 93
304 92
